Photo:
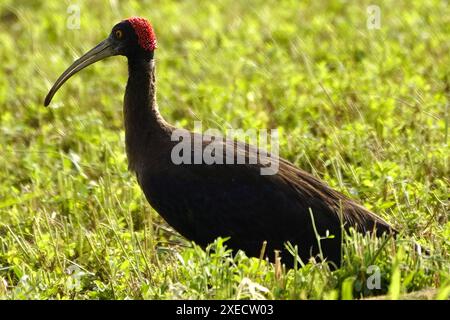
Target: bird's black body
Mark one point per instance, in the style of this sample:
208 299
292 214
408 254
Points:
203 202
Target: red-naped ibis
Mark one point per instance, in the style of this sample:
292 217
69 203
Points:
205 201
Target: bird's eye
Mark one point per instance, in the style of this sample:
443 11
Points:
118 34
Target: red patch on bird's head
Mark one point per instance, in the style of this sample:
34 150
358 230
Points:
144 31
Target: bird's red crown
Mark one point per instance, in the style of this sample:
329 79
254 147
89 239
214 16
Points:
144 31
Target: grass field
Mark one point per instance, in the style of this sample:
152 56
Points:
366 110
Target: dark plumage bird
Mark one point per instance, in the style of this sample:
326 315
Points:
205 201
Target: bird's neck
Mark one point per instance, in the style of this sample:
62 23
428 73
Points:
144 125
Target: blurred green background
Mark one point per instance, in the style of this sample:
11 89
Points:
367 110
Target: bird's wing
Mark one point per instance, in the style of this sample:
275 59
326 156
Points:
310 191
349 211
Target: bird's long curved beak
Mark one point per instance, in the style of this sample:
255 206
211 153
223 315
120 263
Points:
103 50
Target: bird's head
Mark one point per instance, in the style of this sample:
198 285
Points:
133 38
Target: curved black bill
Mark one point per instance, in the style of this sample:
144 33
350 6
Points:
99 52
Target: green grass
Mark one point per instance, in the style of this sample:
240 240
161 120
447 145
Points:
366 110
